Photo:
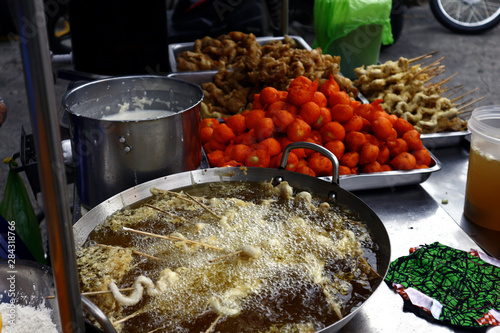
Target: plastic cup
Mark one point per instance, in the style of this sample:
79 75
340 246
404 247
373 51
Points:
482 194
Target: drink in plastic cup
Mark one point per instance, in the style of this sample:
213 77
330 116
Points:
482 194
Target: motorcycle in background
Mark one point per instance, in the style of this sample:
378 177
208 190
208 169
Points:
467 16
461 16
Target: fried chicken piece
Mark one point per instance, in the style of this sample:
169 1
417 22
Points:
218 53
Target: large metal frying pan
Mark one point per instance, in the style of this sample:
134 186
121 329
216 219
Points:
324 189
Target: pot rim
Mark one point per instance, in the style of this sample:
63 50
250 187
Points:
70 93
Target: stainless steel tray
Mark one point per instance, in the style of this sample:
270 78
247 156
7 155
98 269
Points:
437 140
442 140
388 179
197 77
175 49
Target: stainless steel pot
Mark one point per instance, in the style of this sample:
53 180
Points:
327 190
112 155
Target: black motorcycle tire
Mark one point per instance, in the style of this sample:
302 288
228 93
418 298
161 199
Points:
441 11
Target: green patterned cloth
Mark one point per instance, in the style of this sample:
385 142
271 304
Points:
455 287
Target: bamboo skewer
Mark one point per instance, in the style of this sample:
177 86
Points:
212 326
156 329
203 206
191 199
99 292
435 63
431 66
463 95
124 319
469 104
331 301
430 77
453 90
431 70
172 238
133 251
465 112
440 83
177 194
168 214
227 255
365 262
249 251
457 105
424 56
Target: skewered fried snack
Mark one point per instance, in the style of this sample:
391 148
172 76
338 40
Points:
406 91
286 250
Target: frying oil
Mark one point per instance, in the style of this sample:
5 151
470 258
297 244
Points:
306 252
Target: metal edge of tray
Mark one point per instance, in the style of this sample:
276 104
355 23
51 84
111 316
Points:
443 140
198 77
177 48
387 179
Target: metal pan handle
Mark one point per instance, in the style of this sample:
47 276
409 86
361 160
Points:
315 147
98 314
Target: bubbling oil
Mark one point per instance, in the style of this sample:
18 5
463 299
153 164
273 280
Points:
310 270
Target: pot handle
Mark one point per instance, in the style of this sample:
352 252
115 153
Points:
315 147
98 314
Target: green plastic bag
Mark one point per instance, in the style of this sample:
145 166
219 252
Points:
353 30
334 19
16 206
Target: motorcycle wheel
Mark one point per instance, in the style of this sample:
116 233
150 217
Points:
467 16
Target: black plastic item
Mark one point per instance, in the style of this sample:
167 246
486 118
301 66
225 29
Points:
29 161
7 27
119 37
11 245
28 158
195 19
56 16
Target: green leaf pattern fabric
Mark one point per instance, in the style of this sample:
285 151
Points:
456 287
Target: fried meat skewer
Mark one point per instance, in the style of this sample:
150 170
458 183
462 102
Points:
191 199
173 238
168 214
98 292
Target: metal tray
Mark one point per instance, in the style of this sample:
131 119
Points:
198 77
388 179
443 140
177 48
